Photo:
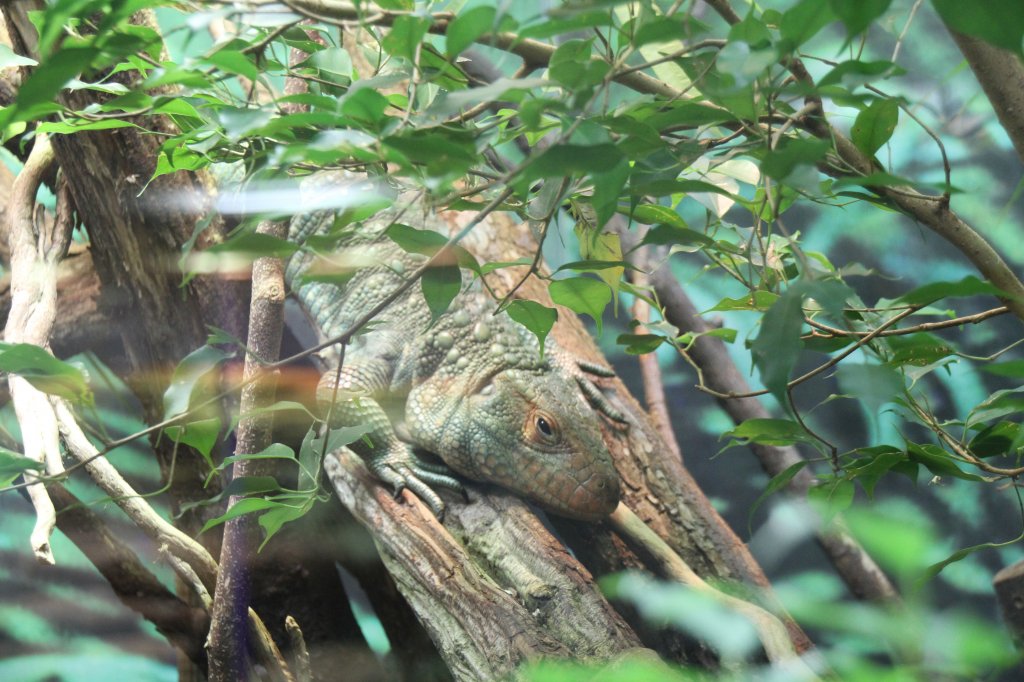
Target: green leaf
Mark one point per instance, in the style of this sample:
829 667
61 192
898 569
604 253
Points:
680 238
653 214
582 295
874 385
874 125
38 92
603 249
607 188
332 60
778 345
312 449
919 350
567 159
832 497
279 406
272 451
201 435
405 36
170 73
857 15
240 121
1000 404
777 483
538 318
79 125
802 22
760 300
999 22
640 344
254 245
770 432
365 105
996 440
880 460
960 554
780 162
1011 368
467 27
572 66
578 18
252 485
45 372
968 286
938 461
248 505
751 30
235 62
440 285
412 240
273 520
852 73
440 152
14 464
190 374
9 57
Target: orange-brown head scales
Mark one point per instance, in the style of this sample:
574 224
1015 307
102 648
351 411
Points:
532 432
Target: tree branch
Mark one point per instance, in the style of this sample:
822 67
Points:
184 626
228 628
1001 75
856 567
35 252
540 593
771 631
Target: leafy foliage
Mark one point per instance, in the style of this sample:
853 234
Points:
699 139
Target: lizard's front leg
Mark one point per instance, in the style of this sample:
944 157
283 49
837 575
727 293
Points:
354 394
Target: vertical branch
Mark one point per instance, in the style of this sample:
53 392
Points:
650 372
35 252
854 565
1001 75
228 643
1009 588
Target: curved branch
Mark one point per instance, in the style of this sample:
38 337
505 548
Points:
34 255
772 632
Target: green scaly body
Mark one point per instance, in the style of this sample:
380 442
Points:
472 388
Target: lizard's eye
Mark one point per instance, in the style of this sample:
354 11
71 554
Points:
542 428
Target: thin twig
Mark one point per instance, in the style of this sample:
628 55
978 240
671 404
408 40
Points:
824 366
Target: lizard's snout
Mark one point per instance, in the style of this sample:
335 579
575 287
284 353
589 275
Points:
594 498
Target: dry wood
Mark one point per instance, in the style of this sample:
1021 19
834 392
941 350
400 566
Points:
35 250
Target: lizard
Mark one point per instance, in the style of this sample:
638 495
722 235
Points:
470 386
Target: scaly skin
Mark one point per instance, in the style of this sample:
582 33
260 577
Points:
472 388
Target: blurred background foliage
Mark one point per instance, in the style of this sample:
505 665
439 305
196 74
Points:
68 625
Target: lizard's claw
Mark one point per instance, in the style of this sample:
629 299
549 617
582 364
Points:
409 472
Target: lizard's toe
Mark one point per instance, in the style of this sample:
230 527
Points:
399 476
424 492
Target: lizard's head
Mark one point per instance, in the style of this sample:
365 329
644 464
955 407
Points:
532 433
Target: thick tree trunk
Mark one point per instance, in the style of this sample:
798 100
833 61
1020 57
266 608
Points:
134 281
